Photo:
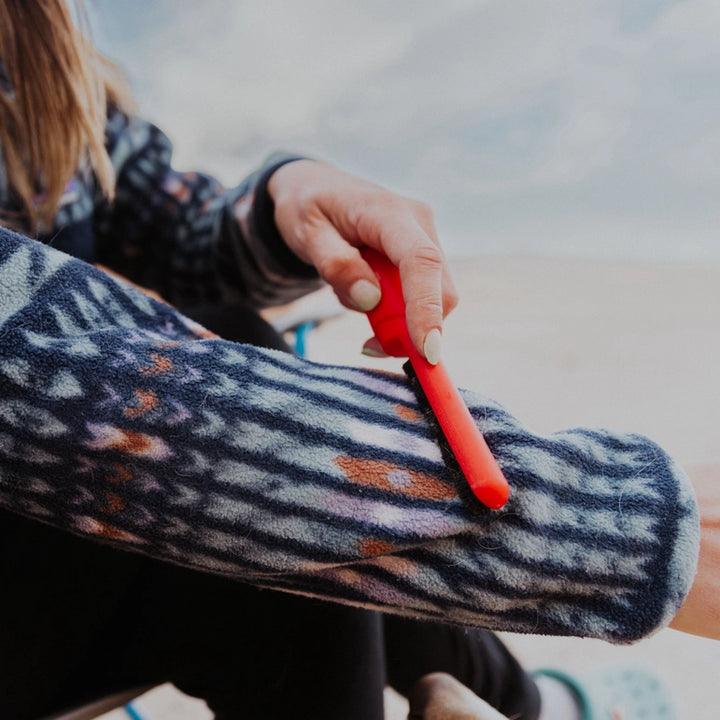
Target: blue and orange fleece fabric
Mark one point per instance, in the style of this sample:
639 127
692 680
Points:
123 421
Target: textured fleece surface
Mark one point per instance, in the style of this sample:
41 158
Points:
123 421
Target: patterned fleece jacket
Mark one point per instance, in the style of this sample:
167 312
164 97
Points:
123 421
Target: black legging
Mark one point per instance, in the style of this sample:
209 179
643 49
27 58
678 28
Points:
81 620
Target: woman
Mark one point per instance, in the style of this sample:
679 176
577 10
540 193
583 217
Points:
217 253
125 422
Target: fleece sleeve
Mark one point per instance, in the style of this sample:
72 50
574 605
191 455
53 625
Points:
187 237
119 421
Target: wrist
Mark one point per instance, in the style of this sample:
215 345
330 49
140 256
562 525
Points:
276 175
264 215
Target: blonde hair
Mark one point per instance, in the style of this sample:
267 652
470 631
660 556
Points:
54 110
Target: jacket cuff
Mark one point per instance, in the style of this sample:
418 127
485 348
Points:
600 537
264 214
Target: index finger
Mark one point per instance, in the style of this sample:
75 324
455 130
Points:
428 289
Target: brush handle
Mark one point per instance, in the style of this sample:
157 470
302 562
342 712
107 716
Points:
387 319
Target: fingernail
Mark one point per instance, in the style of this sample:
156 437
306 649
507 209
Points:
373 348
365 295
432 346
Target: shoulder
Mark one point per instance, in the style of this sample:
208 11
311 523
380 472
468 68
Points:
127 135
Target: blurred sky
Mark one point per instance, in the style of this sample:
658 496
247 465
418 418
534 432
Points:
559 127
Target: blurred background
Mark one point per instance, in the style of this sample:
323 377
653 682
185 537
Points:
558 128
571 154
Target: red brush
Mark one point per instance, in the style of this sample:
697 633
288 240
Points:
477 463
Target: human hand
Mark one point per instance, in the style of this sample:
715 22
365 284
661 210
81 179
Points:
325 215
439 696
700 613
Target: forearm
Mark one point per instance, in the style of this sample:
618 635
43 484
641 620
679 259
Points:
118 423
184 235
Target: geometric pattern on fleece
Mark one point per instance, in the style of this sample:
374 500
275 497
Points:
122 420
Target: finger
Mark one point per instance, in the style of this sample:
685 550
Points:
342 267
450 296
404 230
421 274
427 289
426 220
424 217
373 348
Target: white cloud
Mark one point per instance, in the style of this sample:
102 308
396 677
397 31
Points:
514 119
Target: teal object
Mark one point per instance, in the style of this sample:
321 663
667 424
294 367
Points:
301 333
132 712
625 692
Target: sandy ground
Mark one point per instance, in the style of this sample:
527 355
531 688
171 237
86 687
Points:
629 346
